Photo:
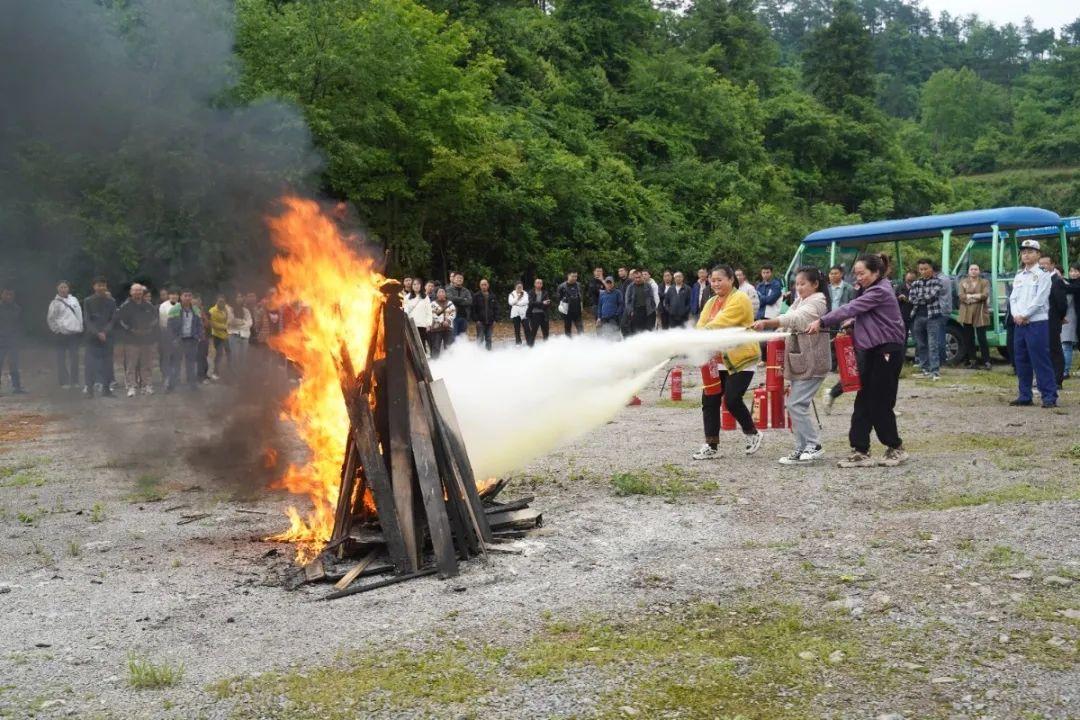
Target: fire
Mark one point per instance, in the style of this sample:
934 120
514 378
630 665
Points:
341 301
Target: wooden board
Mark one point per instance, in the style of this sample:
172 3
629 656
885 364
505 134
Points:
449 423
431 487
519 504
416 351
515 519
397 421
343 512
354 573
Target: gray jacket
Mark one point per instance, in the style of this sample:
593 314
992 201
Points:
805 356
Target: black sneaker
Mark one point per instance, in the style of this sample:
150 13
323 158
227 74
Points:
1049 405
1020 403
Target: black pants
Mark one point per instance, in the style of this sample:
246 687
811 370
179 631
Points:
9 356
574 320
96 360
874 403
517 330
185 355
483 334
733 387
438 340
538 322
67 358
424 338
1010 335
1057 353
640 322
665 321
971 334
203 359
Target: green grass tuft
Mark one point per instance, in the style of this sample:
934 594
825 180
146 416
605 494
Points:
668 482
144 674
147 489
1025 492
97 513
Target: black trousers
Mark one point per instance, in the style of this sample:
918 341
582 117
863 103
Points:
574 320
538 322
424 338
438 340
517 331
1010 335
1057 353
67 358
733 387
971 334
874 403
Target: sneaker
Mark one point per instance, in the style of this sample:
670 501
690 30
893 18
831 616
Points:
987 366
213 376
857 459
792 459
18 391
894 457
921 375
131 392
65 387
935 377
88 391
148 390
810 454
830 399
1047 405
706 452
753 443
1020 403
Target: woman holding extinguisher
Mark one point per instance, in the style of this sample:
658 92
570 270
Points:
806 361
727 309
879 335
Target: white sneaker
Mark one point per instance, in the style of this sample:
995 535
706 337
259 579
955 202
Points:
810 454
213 376
791 459
753 443
148 390
921 375
935 377
706 453
131 392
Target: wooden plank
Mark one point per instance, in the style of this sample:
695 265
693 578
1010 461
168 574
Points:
448 418
354 573
455 482
491 491
398 411
416 351
431 487
357 589
343 511
516 519
519 504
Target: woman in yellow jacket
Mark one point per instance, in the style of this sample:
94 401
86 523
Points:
728 308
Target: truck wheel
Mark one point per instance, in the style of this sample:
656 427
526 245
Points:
955 345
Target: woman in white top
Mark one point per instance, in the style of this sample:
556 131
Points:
418 307
745 286
238 322
519 309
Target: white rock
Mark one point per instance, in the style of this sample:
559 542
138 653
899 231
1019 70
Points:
1070 613
1057 580
806 655
890 716
836 657
627 710
1003 638
1057 641
943 680
911 666
1022 575
880 601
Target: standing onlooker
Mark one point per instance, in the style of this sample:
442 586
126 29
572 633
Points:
728 308
1029 303
418 307
1070 333
187 332
569 295
743 285
974 315
646 277
701 291
518 300
539 302
99 317
879 335
441 332
903 293
462 299
138 323
609 309
624 280
429 290
219 335
639 306
945 305
239 324
484 313
840 290
807 361
65 320
770 292
677 302
170 299
925 298
665 315
10 338
1059 308
596 286
202 353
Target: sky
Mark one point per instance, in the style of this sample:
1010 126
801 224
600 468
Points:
1045 13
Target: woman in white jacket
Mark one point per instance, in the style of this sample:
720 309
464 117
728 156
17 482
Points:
806 361
65 320
418 307
519 309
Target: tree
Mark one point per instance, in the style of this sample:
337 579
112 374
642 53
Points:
957 108
838 60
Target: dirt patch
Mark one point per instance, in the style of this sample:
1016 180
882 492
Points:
21 427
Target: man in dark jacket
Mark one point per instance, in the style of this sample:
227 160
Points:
10 338
569 295
138 321
639 306
99 319
1059 307
677 302
458 294
769 292
539 302
483 304
596 286
186 330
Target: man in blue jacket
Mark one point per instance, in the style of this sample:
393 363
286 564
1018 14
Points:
769 291
700 292
609 309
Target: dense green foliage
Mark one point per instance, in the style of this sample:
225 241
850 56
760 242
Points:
526 137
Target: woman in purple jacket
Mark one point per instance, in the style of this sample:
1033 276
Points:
879 336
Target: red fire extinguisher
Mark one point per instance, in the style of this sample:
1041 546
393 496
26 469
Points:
774 365
710 377
847 363
676 383
727 420
777 411
760 408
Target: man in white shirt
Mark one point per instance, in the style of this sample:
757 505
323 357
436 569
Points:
169 299
1029 303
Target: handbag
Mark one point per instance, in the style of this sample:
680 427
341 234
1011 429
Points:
564 307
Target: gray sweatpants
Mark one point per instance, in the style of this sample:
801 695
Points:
802 417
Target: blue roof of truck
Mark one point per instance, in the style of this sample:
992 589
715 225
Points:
1071 225
970 221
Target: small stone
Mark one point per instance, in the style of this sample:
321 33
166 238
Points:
846 604
890 716
594 648
1070 613
627 710
991 694
1003 638
880 601
1057 581
806 655
1022 575
943 680
836 657
911 666
1057 641
52 703
5 589
42 645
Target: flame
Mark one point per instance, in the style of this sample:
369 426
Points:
340 298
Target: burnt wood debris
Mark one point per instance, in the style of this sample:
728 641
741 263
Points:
409 504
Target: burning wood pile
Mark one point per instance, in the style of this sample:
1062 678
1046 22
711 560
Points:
408 496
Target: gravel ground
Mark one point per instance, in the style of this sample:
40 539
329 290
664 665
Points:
93 568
